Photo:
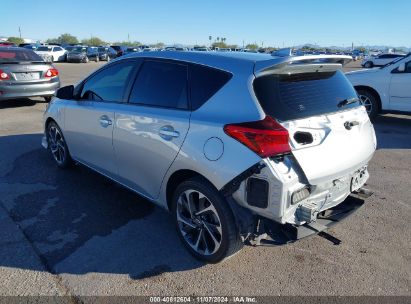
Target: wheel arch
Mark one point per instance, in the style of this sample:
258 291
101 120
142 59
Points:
48 120
177 178
373 92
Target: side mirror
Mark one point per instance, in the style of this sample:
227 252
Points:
401 67
66 92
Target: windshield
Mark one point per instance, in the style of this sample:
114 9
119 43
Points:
396 60
21 55
295 96
79 49
44 49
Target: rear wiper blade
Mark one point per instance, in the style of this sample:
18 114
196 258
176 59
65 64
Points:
347 101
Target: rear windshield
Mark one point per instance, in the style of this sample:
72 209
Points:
21 55
44 48
295 96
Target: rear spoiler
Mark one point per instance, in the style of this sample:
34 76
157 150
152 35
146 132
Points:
284 62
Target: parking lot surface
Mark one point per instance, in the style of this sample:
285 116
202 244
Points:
73 232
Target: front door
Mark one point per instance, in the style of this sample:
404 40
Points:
400 89
89 121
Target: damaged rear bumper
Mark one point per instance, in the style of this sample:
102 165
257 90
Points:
269 232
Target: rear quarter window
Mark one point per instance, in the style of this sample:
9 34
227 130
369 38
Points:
288 97
204 83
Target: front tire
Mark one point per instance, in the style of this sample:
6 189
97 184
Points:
57 146
205 223
368 65
370 102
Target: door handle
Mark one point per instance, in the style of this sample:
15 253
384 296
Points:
105 121
168 133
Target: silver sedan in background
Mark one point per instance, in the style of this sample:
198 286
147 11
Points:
23 73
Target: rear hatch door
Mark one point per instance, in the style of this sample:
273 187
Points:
330 133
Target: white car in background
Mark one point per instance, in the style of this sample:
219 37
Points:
387 89
379 60
51 53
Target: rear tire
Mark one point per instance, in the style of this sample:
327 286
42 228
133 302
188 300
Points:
57 146
204 221
370 102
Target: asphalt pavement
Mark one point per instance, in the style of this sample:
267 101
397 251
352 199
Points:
73 232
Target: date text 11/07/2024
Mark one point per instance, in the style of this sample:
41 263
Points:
203 299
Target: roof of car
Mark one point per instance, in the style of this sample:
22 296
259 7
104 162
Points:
239 62
223 60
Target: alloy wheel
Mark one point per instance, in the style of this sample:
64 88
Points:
199 222
366 102
57 145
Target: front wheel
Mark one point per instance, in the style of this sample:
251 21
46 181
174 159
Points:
57 146
369 101
205 222
368 64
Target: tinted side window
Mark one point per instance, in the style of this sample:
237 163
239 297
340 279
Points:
205 82
161 84
109 84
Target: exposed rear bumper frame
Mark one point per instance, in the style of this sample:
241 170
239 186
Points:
271 233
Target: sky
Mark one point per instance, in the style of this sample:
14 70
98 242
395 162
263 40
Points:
267 23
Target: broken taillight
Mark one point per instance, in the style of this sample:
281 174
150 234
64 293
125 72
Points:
265 137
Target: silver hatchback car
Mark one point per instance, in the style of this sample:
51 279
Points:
241 148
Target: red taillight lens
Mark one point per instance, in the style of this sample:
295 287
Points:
4 75
51 73
265 137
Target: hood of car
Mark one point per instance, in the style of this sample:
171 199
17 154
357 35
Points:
362 72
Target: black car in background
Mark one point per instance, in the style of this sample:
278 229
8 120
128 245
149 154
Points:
106 53
120 49
83 54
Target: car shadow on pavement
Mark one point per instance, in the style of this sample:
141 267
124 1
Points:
393 132
78 221
18 103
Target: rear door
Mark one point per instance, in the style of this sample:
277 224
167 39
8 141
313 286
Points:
330 133
89 121
400 89
152 127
